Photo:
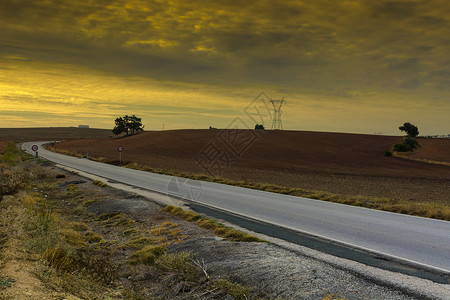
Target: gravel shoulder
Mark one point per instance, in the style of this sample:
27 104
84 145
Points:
278 270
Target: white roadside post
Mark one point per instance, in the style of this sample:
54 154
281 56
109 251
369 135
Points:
120 149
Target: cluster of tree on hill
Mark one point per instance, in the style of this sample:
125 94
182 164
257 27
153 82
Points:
128 125
409 142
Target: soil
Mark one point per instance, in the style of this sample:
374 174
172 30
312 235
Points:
434 149
348 164
271 271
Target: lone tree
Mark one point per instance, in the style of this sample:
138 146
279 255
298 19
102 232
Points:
410 129
259 126
128 124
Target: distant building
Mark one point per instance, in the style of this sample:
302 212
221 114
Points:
83 126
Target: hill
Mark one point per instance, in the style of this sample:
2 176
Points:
349 164
51 133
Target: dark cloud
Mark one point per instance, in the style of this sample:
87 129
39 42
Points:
320 44
411 84
394 9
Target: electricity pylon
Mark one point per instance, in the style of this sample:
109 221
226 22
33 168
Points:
276 122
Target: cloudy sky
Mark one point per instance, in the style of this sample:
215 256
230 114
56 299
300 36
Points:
357 66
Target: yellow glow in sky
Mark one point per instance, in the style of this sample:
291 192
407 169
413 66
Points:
348 66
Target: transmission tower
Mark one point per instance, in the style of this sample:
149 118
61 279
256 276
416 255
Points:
276 122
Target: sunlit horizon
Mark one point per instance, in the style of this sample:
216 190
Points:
351 66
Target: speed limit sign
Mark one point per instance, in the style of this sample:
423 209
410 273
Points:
34 148
120 148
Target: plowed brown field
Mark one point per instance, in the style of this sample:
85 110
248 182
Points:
349 164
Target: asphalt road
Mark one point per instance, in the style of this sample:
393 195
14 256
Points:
419 241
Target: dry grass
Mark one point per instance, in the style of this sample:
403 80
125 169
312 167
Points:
218 228
333 297
183 273
71 257
142 242
99 183
60 251
147 255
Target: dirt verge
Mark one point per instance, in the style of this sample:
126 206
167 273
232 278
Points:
118 221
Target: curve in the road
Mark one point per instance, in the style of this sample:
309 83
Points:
420 241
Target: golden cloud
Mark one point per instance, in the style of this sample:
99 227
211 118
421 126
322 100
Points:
126 52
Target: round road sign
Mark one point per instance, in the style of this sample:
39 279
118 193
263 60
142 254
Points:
34 148
120 148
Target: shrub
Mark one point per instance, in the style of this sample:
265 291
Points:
388 153
58 258
12 155
12 180
410 142
401 147
181 265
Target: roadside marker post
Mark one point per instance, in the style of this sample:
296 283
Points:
35 149
120 149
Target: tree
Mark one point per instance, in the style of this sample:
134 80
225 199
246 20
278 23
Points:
120 126
410 129
133 123
128 125
258 126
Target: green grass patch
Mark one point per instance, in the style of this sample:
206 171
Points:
12 155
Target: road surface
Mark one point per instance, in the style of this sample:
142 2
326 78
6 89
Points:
420 241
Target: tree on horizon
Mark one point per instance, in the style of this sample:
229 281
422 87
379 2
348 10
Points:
128 124
410 129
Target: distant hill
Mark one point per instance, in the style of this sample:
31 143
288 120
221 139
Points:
52 133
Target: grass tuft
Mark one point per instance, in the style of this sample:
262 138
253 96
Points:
99 183
147 255
93 237
142 242
72 237
217 228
